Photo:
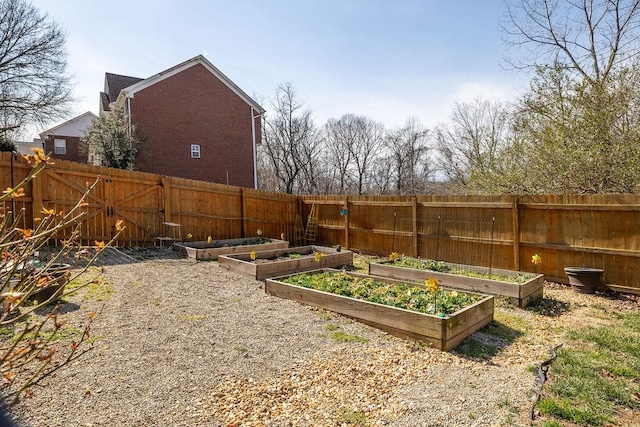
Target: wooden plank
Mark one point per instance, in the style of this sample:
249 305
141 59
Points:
166 198
515 215
580 207
442 333
211 251
475 284
243 263
582 249
414 226
37 191
346 222
468 205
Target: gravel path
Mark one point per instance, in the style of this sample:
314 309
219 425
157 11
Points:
185 343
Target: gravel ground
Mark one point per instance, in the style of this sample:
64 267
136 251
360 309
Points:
186 343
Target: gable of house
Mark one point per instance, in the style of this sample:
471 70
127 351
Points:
193 122
113 85
63 140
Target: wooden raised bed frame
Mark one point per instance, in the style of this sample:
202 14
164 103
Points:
242 262
444 333
520 294
211 251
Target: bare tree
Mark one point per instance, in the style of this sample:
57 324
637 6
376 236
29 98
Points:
339 138
34 87
469 146
367 145
290 141
590 37
409 151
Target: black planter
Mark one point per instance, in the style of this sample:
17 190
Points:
584 280
59 276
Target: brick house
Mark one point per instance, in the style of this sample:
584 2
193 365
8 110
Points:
192 122
63 141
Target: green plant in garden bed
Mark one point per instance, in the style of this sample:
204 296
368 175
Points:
436 300
443 267
596 374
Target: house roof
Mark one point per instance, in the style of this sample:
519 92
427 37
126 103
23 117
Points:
114 83
71 127
130 91
24 147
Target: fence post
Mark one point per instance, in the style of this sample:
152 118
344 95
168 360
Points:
515 214
166 198
414 218
243 212
346 222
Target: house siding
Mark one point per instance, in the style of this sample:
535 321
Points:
195 107
77 151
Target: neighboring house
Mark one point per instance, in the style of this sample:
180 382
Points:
63 141
191 121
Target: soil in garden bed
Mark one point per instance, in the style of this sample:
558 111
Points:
284 257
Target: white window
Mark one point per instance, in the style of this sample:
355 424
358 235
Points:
60 146
195 151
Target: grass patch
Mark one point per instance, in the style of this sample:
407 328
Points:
241 348
355 418
61 334
98 290
597 374
331 327
323 315
341 336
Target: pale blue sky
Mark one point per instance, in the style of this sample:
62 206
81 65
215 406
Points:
384 59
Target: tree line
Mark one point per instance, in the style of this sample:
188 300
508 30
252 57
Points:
576 130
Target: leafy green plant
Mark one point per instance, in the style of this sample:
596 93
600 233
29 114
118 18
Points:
443 267
401 295
294 255
341 336
356 418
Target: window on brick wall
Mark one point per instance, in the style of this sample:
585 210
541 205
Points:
195 151
60 146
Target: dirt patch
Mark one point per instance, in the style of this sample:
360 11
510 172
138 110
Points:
187 343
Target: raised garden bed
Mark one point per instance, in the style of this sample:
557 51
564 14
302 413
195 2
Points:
212 250
285 261
520 288
444 330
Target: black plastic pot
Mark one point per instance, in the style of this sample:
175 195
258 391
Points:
60 277
583 279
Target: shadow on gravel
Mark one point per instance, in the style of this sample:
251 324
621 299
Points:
63 307
488 341
549 307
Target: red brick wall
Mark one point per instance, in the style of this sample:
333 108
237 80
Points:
194 107
76 150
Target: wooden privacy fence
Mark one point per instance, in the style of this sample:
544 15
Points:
600 231
143 201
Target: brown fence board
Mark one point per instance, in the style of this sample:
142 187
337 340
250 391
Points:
565 230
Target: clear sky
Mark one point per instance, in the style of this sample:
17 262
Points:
386 59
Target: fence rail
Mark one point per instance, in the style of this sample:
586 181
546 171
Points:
601 231
503 232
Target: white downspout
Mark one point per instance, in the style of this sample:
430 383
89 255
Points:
255 149
129 113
